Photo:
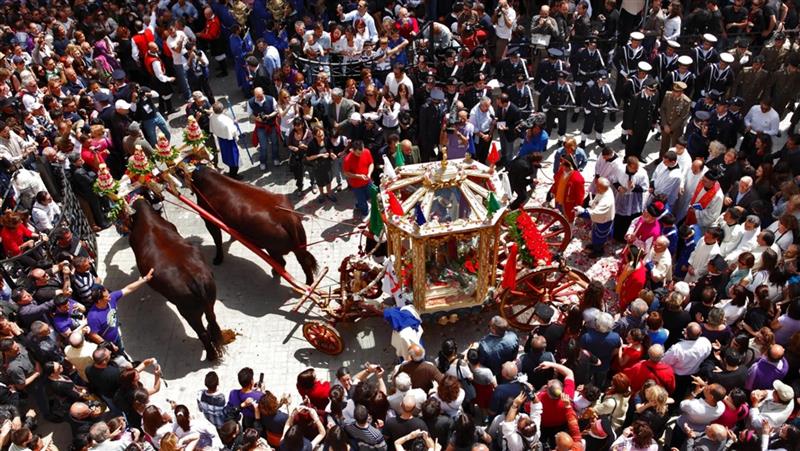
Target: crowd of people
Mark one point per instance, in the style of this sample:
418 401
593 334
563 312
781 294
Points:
700 347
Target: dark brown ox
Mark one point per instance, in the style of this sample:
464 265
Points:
265 219
181 274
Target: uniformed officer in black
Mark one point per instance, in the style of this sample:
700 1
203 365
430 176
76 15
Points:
431 118
509 68
547 70
633 87
721 126
599 98
480 63
521 94
556 100
449 67
585 64
643 109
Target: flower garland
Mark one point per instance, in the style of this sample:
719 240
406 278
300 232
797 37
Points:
523 230
110 193
174 152
141 172
194 142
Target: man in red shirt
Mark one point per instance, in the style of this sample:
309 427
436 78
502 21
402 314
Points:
554 409
652 368
212 35
357 167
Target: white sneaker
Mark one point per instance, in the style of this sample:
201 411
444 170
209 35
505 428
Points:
276 163
263 167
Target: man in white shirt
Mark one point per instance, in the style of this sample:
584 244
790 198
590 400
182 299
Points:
225 131
45 213
762 118
397 77
482 118
772 406
176 41
686 356
12 146
505 18
601 211
697 413
402 385
520 430
361 12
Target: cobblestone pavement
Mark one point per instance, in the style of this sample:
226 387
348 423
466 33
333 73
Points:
258 307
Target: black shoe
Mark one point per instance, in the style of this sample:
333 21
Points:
582 145
600 144
612 117
560 143
624 139
574 117
657 137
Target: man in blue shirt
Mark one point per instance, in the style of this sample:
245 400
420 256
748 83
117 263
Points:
102 317
499 346
602 343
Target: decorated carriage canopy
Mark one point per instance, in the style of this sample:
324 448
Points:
443 225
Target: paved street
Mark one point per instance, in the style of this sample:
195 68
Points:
258 308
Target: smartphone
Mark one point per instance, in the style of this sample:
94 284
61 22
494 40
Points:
260 379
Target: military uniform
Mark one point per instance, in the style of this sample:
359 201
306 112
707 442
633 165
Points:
547 70
741 59
686 77
633 87
521 96
664 64
774 57
508 70
643 109
626 61
586 63
675 111
596 103
556 99
714 77
703 58
722 128
751 85
785 89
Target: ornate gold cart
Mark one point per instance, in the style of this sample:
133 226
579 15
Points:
448 234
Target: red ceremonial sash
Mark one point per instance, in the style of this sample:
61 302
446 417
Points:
691 218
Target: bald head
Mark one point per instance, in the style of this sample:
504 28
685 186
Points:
76 338
564 442
152 47
775 353
409 404
509 371
693 331
655 353
717 432
416 352
79 410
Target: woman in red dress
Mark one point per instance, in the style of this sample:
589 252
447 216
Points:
16 238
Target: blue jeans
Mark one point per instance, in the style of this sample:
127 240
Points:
183 84
267 140
149 128
362 198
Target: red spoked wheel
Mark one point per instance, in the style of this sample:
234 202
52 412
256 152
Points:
559 286
553 226
323 337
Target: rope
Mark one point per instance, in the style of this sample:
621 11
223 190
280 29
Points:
300 213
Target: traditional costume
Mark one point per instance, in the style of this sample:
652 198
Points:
699 259
568 187
601 212
224 129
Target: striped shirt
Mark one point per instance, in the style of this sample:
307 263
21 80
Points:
213 407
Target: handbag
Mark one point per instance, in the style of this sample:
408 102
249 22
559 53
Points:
469 390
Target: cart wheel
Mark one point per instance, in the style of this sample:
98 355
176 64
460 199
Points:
324 337
553 226
559 286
